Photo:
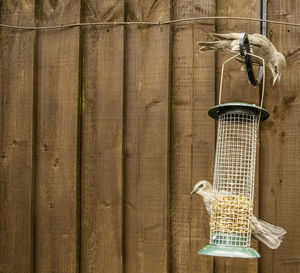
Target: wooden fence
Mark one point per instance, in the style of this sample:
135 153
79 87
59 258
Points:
104 131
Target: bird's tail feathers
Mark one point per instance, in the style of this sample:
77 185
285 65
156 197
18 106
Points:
271 240
278 231
208 46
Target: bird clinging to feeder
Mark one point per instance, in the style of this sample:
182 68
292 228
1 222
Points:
230 201
265 232
259 45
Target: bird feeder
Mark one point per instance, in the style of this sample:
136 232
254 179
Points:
234 175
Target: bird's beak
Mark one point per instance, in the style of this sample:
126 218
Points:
193 191
277 76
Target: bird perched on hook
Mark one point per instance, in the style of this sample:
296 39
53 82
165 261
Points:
265 232
259 45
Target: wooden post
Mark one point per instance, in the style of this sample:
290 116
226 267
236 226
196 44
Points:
237 88
57 125
192 136
16 138
102 139
147 138
280 156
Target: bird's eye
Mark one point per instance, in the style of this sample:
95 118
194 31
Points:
200 186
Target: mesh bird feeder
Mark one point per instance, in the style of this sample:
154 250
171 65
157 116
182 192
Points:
234 175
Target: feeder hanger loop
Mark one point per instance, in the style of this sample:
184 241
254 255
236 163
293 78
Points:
244 49
245 52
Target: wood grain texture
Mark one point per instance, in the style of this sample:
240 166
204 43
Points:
237 88
16 123
102 138
57 124
235 83
280 157
146 139
192 137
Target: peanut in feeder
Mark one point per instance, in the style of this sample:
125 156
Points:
234 173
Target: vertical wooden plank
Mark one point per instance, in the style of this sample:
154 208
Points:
192 136
57 124
16 104
102 138
147 138
235 84
280 156
237 88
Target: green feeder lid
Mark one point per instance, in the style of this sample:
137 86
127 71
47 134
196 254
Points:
226 251
236 106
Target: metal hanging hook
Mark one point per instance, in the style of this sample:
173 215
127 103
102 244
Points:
244 48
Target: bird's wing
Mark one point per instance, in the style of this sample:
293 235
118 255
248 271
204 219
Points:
228 36
208 205
254 39
209 200
262 46
256 44
259 40
259 44
232 39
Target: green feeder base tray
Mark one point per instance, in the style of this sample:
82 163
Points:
226 251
